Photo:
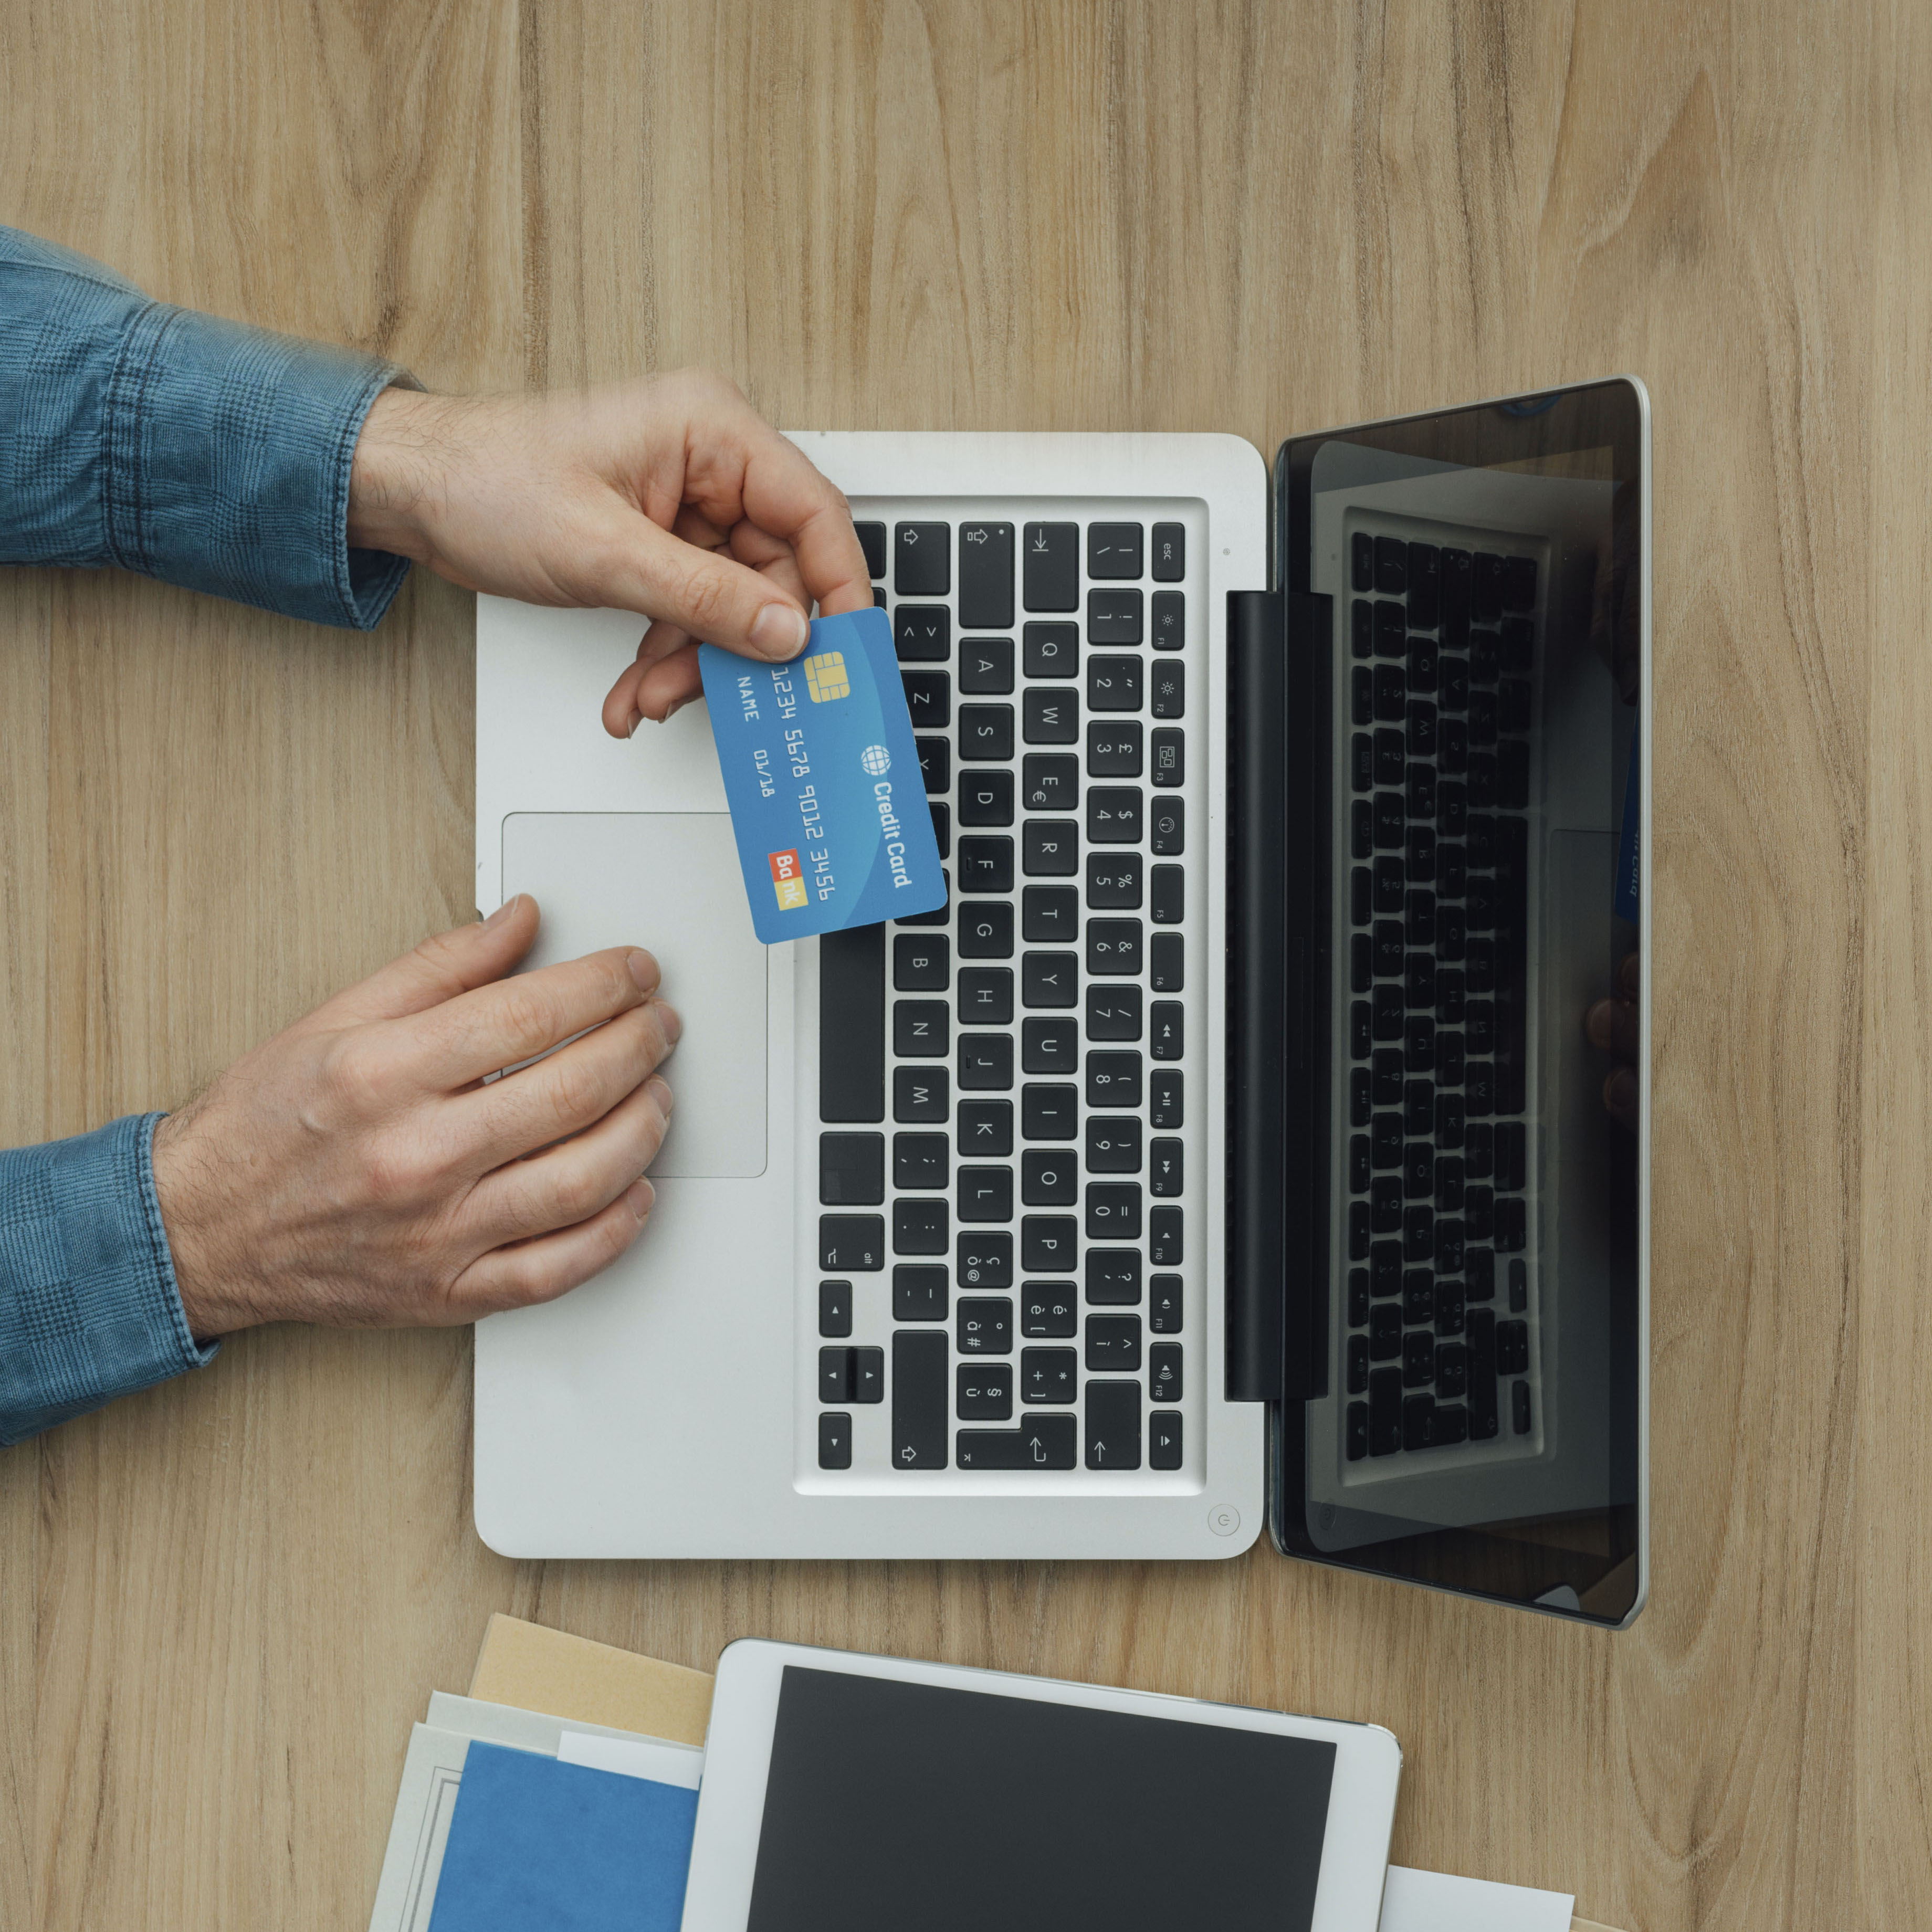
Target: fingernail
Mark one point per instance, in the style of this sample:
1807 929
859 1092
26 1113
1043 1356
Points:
631 729
502 912
644 970
671 1021
662 1093
641 1194
671 710
779 632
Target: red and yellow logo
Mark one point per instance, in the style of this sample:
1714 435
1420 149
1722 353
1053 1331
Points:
787 880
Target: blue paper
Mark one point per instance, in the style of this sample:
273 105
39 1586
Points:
1628 858
536 1846
828 801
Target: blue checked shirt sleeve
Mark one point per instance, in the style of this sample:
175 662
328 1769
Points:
210 454
88 1306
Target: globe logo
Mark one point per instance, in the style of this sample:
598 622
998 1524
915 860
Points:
876 760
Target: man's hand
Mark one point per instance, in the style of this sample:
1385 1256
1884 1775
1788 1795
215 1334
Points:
671 497
354 1169
1611 1024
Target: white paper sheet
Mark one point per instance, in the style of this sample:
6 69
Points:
661 1763
1420 1901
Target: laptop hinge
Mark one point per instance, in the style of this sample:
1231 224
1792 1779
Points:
1279 885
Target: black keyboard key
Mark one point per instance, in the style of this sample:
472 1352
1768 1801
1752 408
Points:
986 576
1384 1332
1391 566
1485 589
1361 829
986 798
1114 750
1391 694
872 541
1113 1345
1513 775
1049 1113
1385 1141
1049 1177
1419 917
1165 1169
1049 978
1051 716
835 1308
1362 761
920 1291
986 930
1386 1082
928 698
1517 591
1510 1229
1169 759
1114 946
1390 887
1114 1012
1114 1277
1049 847
1167 1026
1385 1411
1170 552
1360 1029
1358 1230
1049 1310
1391 758
986 1327
920 1094
1452 1370
922 962
942 827
1362 561
1358 1363
1453 738
1512 1147
1168 628
1114 816
984 1194
1113 684
1512 1348
1519 1287
1479 1153
1519 1407
1479 1213
1167 962
1358 1163
1357 1431
922 560
1167 689
1113 1425
1050 781
985 732
923 633
852 1243
1114 551
1421 791
1388 1011
919 1420
1385 1269
835 1432
1418 1358
1050 566
1164 1430
1515 649
1513 710
985 1062
1391 631
1390 823
935 762
919 1226
852 1024
982 1260
1422 665
1115 617
1452 682
1361 696
1048 1375
1418 1043
1418 1414
1164 1089
1051 650
1418 1107
1479 1273
1045 1442
1167 895
922 1029
1050 915
851 1170
986 1129
1113 1210
984 1391
1419 980
836 1378
1420 722
1362 627
1049 1045
985 865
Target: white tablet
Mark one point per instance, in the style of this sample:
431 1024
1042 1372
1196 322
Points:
845 1793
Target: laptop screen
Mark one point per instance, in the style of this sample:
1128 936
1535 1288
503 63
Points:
1467 696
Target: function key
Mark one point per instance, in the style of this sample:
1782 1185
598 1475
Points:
1164 1439
1170 760
1114 550
1170 552
1164 1372
1167 829
1050 566
1362 561
1170 620
1165 1235
1167 898
985 576
835 1432
922 560
1165 1098
1167 688
1164 1304
872 541
1051 650
922 632
1115 616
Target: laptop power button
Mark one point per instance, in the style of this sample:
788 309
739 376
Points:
1224 1518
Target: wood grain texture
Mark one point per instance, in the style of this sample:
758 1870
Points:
222 1602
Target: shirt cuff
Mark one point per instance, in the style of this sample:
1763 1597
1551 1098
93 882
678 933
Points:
89 1309
228 451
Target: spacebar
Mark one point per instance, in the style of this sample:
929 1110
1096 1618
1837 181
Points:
852 1023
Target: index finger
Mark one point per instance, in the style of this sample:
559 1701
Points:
515 1020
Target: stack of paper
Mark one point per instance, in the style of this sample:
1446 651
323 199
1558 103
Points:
562 1792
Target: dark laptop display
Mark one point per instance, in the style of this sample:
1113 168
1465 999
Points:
1437 810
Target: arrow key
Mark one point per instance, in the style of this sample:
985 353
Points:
1046 1443
1113 1425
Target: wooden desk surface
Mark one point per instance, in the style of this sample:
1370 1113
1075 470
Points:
222 1602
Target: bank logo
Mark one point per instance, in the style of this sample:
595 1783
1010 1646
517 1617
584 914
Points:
787 880
825 677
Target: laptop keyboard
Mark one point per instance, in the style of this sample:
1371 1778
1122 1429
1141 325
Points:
1008 1150
1441 701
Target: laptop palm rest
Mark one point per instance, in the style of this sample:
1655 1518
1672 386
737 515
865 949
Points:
669 881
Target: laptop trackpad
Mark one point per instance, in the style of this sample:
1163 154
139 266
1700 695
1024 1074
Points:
669 881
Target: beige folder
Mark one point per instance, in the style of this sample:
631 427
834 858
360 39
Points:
540 1669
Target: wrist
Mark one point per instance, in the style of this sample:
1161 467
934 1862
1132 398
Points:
212 1309
394 471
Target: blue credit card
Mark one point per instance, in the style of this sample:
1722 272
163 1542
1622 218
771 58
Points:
828 801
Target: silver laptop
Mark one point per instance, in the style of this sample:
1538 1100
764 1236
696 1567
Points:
1227 1151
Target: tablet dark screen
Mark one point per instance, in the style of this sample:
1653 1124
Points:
893 1805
